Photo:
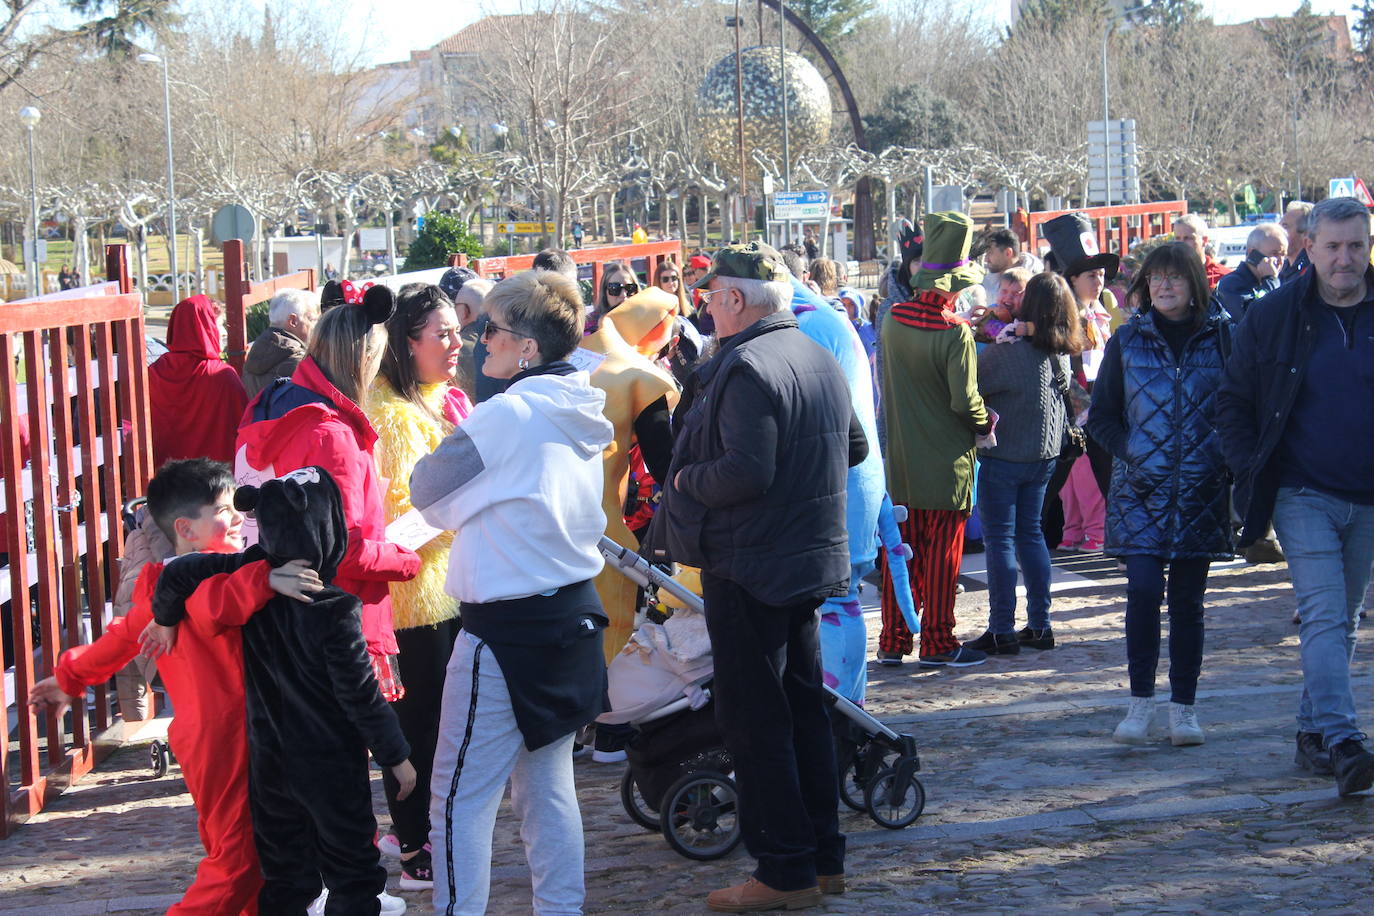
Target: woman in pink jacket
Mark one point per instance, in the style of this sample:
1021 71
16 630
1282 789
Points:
314 418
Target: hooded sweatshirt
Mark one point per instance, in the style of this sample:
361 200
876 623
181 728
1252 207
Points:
196 397
308 421
520 484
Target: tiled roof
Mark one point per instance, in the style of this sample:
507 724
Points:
482 34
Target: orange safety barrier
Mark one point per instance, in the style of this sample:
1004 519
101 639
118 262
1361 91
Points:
84 397
240 293
1133 223
643 259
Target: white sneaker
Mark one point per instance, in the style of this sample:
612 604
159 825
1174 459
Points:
608 756
1135 728
1184 729
391 906
389 845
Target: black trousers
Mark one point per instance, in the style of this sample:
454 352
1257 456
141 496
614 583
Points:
424 655
772 714
312 819
1145 592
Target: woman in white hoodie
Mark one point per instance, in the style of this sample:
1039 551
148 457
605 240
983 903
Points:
519 482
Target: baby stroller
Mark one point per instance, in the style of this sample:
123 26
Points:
679 769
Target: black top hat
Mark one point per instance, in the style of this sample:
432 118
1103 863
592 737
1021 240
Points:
1073 242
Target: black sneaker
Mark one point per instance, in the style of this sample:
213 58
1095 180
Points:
1310 754
1036 639
417 872
1353 765
962 657
996 643
609 746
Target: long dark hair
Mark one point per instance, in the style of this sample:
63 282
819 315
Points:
414 305
610 267
1179 258
1050 305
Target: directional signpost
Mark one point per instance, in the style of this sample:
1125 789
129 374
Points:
1113 164
805 206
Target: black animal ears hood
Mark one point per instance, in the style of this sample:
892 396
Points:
300 517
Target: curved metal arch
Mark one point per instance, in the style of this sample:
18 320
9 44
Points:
864 248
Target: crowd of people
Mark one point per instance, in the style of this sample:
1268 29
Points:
434 469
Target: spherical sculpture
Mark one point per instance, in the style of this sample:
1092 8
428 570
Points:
808 108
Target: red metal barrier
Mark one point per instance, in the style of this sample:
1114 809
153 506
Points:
240 293
651 253
1150 220
85 398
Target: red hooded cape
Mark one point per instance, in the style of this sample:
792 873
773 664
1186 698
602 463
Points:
196 397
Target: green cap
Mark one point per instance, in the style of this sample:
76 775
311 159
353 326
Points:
945 263
754 261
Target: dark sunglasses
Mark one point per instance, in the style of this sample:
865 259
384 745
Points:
615 289
490 328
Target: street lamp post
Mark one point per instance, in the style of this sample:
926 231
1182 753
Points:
171 174
786 134
29 117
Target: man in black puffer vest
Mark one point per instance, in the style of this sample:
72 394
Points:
756 498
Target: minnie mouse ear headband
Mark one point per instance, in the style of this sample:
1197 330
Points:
379 302
1074 246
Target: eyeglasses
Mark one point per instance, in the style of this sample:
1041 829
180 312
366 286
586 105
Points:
706 294
666 278
616 289
1167 280
486 332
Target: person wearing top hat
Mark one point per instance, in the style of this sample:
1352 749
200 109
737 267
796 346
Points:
1075 502
933 413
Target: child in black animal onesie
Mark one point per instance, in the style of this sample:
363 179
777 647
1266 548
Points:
314 708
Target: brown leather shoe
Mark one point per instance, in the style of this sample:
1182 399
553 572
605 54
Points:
753 896
831 884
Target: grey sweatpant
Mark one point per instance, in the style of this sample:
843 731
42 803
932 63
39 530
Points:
480 748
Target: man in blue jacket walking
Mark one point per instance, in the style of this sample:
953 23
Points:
1296 411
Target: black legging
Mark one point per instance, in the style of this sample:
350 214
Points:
424 654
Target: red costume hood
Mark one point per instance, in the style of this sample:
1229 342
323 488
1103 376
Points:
196 397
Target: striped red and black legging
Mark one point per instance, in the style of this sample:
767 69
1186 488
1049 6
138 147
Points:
936 537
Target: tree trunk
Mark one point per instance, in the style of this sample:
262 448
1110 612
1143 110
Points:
682 218
727 217
81 263
703 217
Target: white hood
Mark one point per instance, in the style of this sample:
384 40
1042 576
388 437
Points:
572 405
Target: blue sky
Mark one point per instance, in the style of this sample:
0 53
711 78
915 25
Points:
413 24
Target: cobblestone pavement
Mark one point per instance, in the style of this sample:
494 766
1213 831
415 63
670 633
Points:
1031 808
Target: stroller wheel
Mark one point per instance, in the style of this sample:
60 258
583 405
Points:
892 805
636 806
700 816
852 781
159 758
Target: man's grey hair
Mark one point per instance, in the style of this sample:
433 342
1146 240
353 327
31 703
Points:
1303 207
1264 231
290 302
1198 224
768 296
1334 210
473 293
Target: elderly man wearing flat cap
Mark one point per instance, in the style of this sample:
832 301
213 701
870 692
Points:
933 413
755 497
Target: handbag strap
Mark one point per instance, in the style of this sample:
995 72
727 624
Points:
1062 384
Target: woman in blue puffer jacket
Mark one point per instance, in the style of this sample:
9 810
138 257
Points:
1169 505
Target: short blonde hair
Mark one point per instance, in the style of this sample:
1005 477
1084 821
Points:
543 305
1019 274
348 348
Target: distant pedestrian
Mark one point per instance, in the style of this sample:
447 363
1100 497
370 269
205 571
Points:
1169 505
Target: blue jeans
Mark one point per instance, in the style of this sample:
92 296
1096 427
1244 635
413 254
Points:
1010 496
1329 544
1145 593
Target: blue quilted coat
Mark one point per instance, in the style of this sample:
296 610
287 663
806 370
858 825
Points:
1170 490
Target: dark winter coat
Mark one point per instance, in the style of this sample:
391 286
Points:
1273 348
1170 493
274 354
758 485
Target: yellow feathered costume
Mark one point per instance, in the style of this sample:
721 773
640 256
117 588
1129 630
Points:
628 337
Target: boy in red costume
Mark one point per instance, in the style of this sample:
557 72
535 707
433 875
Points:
192 501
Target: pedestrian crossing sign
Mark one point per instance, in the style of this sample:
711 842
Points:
1341 187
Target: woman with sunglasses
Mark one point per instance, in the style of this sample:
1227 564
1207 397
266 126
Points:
519 482
1169 504
668 278
618 283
